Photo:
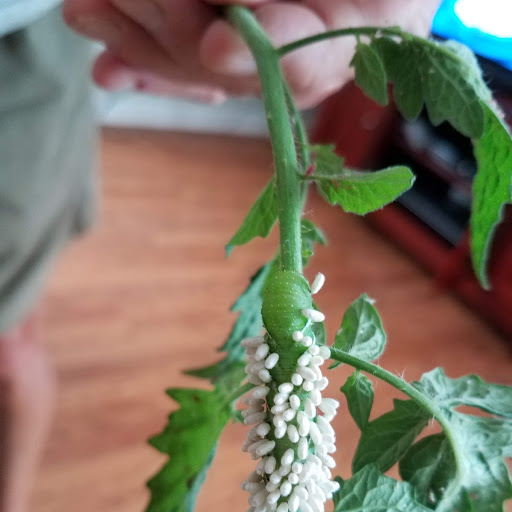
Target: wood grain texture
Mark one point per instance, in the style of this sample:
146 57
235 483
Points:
147 293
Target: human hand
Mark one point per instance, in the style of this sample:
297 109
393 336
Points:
185 48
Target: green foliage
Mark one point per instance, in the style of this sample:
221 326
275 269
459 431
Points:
401 69
311 235
460 470
190 440
259 221
463 469
357 192
359 393
386 439
370 73
248 324
469 390
361 333
446 78
429 466
492 188
371 491
364 192
479 443
326 162
442 75
482 478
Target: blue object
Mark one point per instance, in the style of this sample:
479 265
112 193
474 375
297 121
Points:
448 25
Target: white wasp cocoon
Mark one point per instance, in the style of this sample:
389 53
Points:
252 342
260 392
313 315
254 418
262 352
307 341
271 361
288 415
297 336
297 379
263 429
306 373
286 387
299 478
317 284
264 375
314 350
293 478
270 465
308 385
294 402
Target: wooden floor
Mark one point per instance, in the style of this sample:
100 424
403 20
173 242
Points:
147 294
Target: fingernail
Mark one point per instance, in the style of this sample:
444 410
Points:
99 29
238 64
121 81
217 98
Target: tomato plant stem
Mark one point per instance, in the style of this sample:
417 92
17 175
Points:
281 134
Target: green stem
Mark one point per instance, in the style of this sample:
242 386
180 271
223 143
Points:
360 31
301 138
281 134
409 390
239 392
301 142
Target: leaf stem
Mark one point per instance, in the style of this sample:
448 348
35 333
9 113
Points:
301 138
281 134
360 31
411 392
239 392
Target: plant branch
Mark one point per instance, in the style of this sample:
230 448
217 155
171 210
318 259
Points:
301 142
281 134
360 31
409 390
301 138
240 391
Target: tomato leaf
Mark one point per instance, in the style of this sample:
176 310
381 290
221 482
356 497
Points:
248 324
444 76
361 333
429 466
386 439
260 219
355 191
447 78
470 390
190 440
370 73
358 391
311 235
364 192
371 491
492 189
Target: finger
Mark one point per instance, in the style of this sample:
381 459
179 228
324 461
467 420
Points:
311 71
111 73
177 25
99 20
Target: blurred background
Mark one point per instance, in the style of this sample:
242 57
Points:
147 293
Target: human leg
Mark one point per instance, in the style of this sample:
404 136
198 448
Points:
27 388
